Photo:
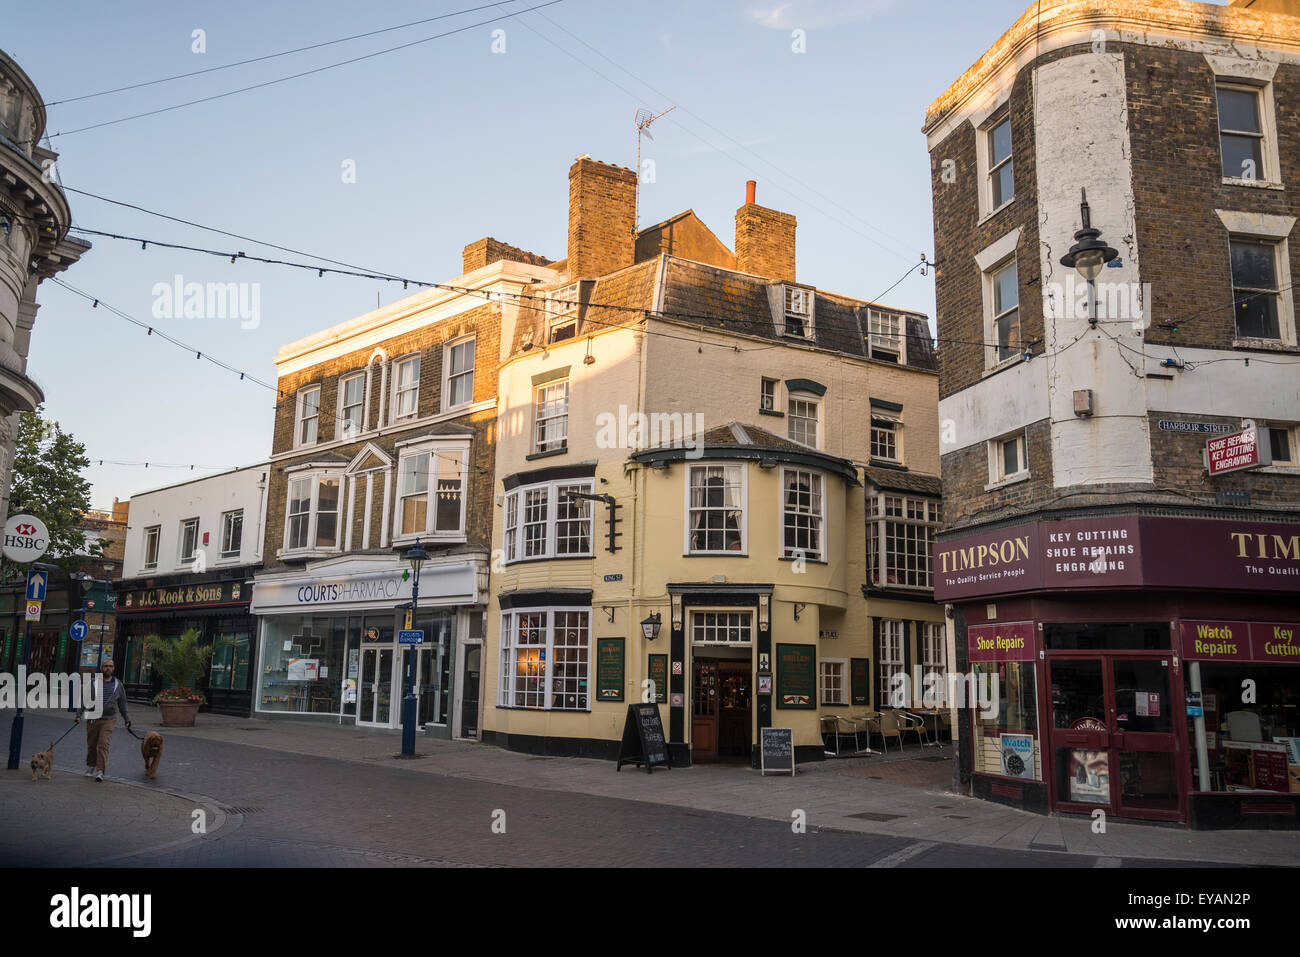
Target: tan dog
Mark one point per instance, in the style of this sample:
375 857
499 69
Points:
151 749
43 763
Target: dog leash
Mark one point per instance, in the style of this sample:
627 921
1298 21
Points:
62 736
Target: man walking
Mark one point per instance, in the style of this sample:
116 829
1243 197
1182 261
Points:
100 730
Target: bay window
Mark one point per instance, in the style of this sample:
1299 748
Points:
802 515
715 509
431 491
900 540
545 659
545 521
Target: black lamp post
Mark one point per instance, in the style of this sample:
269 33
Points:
650 626
417 557
1088 255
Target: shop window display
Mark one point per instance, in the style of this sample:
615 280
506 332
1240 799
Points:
1007 743
1252 731
302 664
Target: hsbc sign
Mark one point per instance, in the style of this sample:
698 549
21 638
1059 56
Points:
26 538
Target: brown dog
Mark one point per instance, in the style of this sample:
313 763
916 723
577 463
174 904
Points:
151 749
43 763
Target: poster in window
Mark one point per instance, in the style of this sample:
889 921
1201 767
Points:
860 680
796 676
1090 776
1018 755
303 669
658 673
609 669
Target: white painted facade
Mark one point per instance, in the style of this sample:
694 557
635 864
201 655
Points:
209 500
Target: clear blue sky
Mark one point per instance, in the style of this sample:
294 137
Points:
451 142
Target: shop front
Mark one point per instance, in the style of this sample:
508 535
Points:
213 605
330 649
1148 667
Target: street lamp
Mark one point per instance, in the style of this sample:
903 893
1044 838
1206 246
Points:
650 626
417 557
1089 254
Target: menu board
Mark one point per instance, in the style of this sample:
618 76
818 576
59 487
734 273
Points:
609 669
658 673
777 750
796 676
643 739
860 681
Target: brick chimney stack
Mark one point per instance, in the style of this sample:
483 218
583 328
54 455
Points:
602 218
764 239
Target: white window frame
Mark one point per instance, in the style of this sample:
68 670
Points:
1255 76
737 468
513 537
438 452
398 391
990 261
182 558
300 419
895 428
712 624
313 512
998 477
819 515
791 417
893 638
151 533
539 392
887 333
768 402
920 531
1292 431
507 690
562 311
824 666
798 303
448 350
934 650
1275 230
346 433
227 523
984 125
1001 117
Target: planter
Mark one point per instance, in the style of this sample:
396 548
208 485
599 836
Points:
178 714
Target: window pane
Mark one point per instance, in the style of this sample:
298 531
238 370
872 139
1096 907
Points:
1257 316
1279 441
715 511
327 504
415 473
1004 186
1243 156
1011 457
1239 110
449 496
1005 295
1000 142
1253 265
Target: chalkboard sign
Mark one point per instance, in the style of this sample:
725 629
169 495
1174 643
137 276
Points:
777 749
860 681
796 676
659 675
609 669
643 739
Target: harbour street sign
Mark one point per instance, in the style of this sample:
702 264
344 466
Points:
1236 451
26 538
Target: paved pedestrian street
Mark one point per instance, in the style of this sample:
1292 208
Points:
285 794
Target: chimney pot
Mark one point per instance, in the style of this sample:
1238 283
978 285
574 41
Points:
750 188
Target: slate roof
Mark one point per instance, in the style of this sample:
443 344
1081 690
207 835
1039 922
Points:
900 480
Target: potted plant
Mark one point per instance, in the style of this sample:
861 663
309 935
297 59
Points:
180 661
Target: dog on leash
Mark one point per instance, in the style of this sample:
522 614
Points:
43 763
151 749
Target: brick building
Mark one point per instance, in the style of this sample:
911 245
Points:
694 441
1088 553
384 436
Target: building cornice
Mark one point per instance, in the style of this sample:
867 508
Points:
1050 26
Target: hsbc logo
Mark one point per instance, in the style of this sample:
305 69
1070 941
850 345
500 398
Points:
26 538
26 529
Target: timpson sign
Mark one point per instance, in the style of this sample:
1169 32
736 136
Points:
1126 551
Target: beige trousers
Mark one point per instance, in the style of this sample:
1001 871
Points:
98 733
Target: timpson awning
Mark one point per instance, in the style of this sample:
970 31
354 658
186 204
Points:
1142 551
216 596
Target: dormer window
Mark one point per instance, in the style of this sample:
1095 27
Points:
886 336
562 313
798 312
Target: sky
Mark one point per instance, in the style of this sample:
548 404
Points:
396 162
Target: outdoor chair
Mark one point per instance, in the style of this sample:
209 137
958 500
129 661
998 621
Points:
885 724
834 730
908 722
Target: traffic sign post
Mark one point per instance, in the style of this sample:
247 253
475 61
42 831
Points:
36 584
34 611
78 630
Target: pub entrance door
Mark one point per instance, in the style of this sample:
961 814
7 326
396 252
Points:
721 693
1112 736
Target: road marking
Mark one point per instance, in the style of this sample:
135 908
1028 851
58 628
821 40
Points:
1107 862
898 857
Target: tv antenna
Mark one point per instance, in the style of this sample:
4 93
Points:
643 120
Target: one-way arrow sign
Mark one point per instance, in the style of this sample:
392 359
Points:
36 586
